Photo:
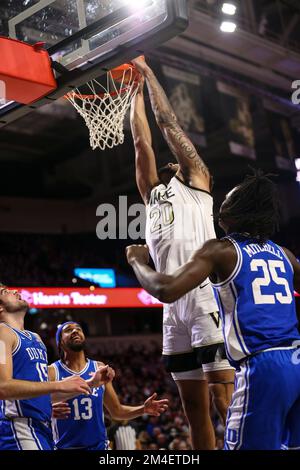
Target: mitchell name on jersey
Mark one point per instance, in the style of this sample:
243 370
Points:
253 249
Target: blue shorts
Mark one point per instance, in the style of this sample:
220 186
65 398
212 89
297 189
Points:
102 445
265 409
25 434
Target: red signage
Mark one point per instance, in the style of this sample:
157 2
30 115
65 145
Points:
83 297
69 297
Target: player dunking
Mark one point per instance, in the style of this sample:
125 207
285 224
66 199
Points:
25 392
84 426
179 219
255 279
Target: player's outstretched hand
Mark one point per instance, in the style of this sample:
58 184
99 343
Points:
74 385
138 253
60 410
103 375
155 407
140 64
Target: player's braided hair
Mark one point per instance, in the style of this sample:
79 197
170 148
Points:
253 207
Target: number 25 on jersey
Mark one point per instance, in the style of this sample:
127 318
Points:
270 272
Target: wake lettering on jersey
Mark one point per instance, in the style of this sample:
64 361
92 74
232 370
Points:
253 248
180 215
179 222
158 194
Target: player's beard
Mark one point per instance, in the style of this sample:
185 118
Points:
17 307
76 347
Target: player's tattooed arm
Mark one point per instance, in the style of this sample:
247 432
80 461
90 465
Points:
190 162
146 171
179 143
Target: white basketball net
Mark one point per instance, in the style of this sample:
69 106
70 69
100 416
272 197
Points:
104 111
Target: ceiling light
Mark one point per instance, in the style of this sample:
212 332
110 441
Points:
229 8
228 27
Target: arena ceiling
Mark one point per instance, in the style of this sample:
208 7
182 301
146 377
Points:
47 154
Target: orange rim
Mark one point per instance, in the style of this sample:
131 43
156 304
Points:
73 94
120 69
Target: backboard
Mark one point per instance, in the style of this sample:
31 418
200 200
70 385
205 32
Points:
85 38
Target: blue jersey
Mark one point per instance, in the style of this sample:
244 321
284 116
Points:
84 428
29 363
257 300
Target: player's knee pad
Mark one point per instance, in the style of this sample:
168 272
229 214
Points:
180 362
213 357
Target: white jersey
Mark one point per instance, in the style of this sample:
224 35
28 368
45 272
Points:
179 222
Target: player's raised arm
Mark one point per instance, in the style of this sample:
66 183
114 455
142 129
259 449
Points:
169 288
146 171
192 167
121 412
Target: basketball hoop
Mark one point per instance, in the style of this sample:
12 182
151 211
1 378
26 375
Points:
104 112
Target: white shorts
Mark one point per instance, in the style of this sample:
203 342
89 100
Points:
184 339
193 330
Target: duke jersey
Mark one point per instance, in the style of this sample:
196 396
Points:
30 363
84 428
257 300
179 222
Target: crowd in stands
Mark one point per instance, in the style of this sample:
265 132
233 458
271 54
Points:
140 373
49 260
